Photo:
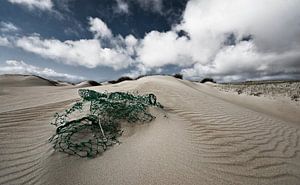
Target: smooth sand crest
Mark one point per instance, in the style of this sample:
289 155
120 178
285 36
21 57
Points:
15 80
87 84
202 137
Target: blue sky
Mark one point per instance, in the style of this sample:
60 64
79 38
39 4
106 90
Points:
104 39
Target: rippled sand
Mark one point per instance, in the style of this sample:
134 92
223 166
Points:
202 137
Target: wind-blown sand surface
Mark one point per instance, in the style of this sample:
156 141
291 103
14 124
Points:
206 137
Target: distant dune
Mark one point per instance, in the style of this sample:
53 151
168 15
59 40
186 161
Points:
88 83
16 80
203 136
273 89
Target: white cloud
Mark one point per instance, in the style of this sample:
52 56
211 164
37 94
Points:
99 28
104 50
244 61
159 49
122 7
236 39
274 26
4 41
273 49
84 52
31 4
20 67
8 27
131 44
266 20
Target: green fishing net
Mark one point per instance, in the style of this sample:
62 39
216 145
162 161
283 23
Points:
92 124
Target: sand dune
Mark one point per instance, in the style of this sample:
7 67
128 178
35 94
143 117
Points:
202 137
15 80
88 83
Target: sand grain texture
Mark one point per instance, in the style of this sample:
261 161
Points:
201 138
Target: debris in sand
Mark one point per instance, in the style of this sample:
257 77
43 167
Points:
295 97
95 131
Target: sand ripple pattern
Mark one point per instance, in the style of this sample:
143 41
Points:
203 140
23 143
237 145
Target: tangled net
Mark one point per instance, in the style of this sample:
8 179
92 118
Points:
92 133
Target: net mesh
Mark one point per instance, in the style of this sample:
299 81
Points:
96 126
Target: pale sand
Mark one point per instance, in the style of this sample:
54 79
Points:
208 137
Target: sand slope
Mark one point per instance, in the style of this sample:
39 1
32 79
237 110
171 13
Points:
15 80
87 84
204 139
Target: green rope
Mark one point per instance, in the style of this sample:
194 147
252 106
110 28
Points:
94 132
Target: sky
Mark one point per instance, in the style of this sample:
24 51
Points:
75 40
